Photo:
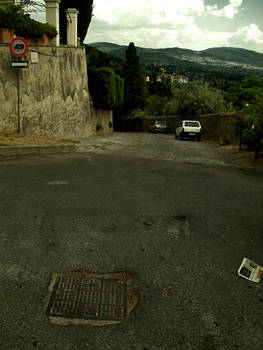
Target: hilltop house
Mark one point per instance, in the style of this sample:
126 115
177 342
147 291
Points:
181 79
165 76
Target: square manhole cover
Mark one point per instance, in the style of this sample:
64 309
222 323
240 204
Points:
85 299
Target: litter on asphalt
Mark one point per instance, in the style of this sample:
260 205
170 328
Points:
250 270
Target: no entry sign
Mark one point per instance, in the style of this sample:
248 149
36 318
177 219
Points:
18 46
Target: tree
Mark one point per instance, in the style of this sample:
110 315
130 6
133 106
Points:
246 92
197 98
85 9
250 125
135 90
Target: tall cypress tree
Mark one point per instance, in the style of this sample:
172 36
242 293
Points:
135 89
85 8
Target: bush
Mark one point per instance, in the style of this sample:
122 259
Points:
155 105
13 17
10 15
249 125
137 114
99 127
197 98
106 88
29 28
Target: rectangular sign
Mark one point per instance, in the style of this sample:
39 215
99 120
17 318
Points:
19 64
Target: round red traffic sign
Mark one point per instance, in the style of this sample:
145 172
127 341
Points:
18 46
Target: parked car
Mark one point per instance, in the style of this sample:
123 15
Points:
158 126
188 128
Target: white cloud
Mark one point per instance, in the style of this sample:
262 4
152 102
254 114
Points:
166 23
186 35
154 11
229 11
249 36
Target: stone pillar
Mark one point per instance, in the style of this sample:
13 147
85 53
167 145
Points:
52 16
72 27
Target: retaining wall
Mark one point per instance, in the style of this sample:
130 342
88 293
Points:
54 95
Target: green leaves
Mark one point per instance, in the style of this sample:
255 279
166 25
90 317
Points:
250 125
106 88
246 92
135 90
13 17
197 98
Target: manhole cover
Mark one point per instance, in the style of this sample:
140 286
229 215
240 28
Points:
80 298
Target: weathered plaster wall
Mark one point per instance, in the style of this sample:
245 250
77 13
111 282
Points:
102 120
55 100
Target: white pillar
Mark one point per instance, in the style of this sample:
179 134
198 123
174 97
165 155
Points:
72 27
52 16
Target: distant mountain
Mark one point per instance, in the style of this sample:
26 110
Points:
228 60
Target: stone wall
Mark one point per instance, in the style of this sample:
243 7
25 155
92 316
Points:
54 96
102 120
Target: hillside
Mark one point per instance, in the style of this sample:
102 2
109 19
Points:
219 60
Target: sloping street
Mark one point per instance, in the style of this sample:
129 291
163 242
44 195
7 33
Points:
179 216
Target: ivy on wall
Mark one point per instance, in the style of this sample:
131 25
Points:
106 88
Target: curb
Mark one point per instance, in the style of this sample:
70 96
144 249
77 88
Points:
20 150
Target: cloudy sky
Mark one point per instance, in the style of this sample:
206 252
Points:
192 24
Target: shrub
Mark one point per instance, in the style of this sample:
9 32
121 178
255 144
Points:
110 124
29 28
99 127
13 17
250 125
137 114
10 14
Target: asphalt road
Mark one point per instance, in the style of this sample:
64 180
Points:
177 215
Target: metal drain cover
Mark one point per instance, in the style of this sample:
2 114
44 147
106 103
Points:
80 298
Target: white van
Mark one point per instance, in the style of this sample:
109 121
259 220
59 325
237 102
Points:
188 128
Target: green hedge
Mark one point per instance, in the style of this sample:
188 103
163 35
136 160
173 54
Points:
106 88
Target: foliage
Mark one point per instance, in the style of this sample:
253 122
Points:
197 98
106 88
99 126
246 92
137 114
135 89
193 98
9 15
85 9
13 17
161 88
250 125
155 105
29 28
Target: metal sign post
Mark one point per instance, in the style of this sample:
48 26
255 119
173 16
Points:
18 101
18 48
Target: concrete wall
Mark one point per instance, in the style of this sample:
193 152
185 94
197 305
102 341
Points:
55 100
102 120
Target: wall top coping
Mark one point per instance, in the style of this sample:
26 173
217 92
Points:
49 1
73 11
